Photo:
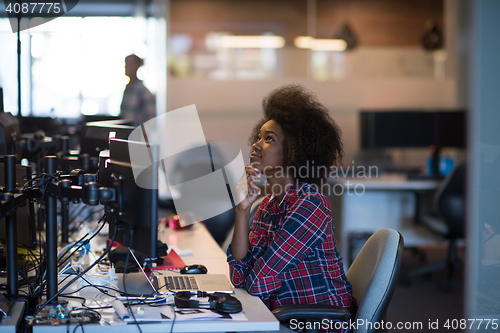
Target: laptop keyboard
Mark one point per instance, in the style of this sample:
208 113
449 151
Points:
181 282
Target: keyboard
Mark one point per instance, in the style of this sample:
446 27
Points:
181 283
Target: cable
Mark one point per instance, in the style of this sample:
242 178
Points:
94 286
77 228
173 320
81 274
81 239
34 256
77 297
82 242
78 213
124 278
80 324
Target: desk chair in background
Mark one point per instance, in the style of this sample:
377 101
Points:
253 210
373 276
449 222
198 162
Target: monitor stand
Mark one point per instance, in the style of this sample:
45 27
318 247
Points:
5 306
11 321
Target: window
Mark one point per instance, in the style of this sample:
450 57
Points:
74 65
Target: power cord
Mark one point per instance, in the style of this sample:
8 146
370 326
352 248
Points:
81 274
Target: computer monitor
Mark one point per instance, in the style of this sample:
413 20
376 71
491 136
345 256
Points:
31 124
96 135
396 129
135 209
26 230
1 100
413 129
9 131
451 129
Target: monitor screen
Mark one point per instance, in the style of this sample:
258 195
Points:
96 137
9 131
412 129
136 207
451 127
30 124
26 231
394 129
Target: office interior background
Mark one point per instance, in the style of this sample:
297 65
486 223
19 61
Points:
73 66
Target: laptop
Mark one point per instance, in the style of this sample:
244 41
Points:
174 282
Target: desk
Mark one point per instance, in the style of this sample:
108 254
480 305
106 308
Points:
365 205
206 252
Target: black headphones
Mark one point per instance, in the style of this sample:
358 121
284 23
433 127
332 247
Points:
221 302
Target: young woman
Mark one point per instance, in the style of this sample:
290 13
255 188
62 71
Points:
290 256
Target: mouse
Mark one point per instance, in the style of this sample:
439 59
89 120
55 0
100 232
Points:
194 269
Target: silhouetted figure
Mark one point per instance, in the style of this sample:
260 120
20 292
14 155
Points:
138 104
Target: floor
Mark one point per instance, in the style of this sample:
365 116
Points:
426 303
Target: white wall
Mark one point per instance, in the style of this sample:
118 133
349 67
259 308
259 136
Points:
228 109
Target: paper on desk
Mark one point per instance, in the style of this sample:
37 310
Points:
189 314
201 314
181 253
165 314
151 314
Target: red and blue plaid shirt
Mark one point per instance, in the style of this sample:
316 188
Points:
293 257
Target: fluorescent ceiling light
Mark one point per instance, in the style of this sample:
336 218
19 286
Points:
271 42
306 42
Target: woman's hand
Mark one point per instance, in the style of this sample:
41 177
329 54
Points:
247 188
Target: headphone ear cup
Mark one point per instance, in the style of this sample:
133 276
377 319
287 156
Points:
228 304
221 302
183 300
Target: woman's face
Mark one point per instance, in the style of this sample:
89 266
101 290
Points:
267 153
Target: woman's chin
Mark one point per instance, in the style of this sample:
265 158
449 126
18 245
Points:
256 165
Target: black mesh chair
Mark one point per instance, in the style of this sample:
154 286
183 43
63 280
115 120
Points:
449 222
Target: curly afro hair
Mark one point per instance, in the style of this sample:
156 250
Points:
312 138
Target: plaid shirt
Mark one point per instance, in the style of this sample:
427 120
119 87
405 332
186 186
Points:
138 104
293 257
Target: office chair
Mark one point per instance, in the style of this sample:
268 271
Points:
197 162
449 206
253 210
373 276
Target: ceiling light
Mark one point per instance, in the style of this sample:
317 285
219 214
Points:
271 42
306 42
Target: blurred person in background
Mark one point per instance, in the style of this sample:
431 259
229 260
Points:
138 103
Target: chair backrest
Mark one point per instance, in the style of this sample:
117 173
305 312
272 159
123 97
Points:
449 202
373 276
253 210
197 162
